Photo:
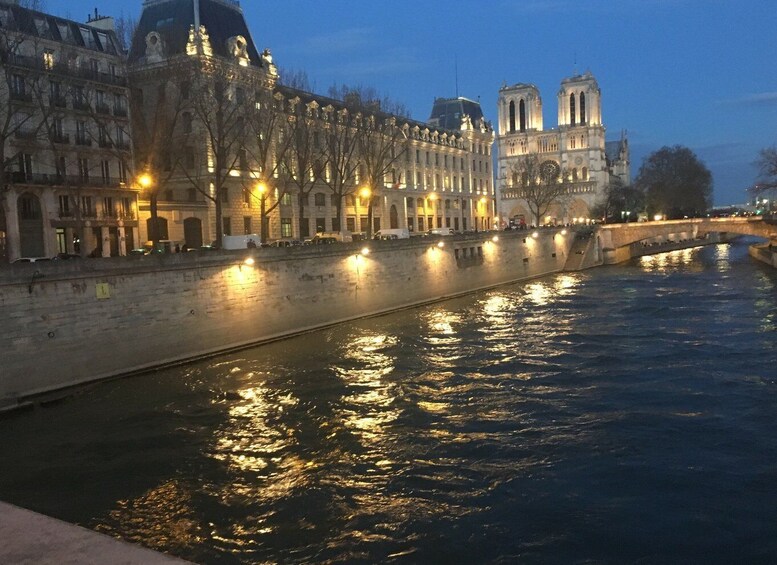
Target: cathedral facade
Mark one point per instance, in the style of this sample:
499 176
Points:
576 148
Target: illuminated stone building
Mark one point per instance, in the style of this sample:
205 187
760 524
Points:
441 174
577 146
65 142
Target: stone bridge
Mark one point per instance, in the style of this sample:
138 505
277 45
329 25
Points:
616 240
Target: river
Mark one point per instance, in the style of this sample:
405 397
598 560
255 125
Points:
626 414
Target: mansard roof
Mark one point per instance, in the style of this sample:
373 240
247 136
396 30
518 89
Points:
448 112
173 19
45 26
323 101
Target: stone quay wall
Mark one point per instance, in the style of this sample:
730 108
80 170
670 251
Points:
67 323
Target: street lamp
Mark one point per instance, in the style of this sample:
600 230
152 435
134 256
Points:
365 194
146 181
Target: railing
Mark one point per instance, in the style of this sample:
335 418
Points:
81 140
103 109
20 96
60 68
81 105
518 191
60 138
119 112
105 144
122 145
66 180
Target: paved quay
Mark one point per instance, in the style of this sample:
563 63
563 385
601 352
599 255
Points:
28 537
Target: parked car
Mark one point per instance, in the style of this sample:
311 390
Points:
32 259
440 231
286 243
392 233
321 239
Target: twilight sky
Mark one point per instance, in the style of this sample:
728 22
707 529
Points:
700 73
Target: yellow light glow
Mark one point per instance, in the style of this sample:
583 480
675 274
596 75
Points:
365 251
249 261
535 235
483 200
658 217
441 244
495 238
433 196
365 192
564 232
261 187
145 180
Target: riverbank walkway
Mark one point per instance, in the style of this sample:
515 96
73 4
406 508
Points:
28 537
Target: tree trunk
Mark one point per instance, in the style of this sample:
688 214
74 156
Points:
263 231
153 228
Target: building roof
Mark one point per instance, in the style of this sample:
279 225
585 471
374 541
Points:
612 149
173 19
45 26
448 112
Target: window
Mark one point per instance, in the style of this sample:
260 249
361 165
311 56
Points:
105 170
18 86
286 199
512 116
186 121
319 199
286 227
87 208
83 169
418 156
240 95
320 225
522 117
61 165
48 59
582 108
64 206
226 224
410 201
247 225
572 109
191 194
122 171
225 195
247 197
108 210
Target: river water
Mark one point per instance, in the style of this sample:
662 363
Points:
625 414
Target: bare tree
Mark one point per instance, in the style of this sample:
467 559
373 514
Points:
157 120
296 79
304 159
266 142
341 143
217 103
540 183
20 118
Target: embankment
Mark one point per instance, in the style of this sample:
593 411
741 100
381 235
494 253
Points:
73 322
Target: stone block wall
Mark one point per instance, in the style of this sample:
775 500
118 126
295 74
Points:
71 322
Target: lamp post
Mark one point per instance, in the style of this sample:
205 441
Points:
146 181
366 194
261 188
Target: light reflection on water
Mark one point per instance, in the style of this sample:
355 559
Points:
623 414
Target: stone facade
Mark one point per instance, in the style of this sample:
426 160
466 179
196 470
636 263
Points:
66 153
439 176
577 146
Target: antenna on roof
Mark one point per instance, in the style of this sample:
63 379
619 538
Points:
456 69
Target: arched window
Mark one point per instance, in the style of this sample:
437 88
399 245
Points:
582 108
585 173
574 174
512 116
522 112
572 109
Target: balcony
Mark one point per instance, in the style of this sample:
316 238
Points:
27 135
60 138
103 109
105 144
66 181
83 141
517 191
20 96
122 145
119 112
82 105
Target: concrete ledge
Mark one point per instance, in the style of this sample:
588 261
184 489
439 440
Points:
27 537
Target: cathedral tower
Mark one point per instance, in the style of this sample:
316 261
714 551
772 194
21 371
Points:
520 109
580 102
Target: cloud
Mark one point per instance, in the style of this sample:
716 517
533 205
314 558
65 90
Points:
758 99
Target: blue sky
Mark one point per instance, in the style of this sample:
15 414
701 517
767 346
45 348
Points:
700 73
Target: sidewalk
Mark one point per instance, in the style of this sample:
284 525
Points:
27 537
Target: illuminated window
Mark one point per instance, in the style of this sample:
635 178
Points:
48 59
